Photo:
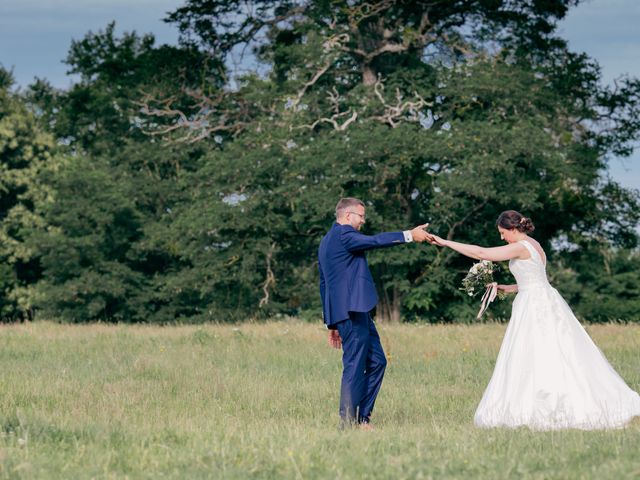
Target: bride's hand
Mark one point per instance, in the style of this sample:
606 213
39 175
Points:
494 284
436 240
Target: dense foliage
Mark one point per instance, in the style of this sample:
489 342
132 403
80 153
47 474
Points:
195 181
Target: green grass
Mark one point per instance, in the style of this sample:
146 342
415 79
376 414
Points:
260 401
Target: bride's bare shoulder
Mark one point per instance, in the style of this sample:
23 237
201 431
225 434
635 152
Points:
531 240
534 242
538 247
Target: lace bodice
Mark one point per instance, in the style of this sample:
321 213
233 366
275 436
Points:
529 273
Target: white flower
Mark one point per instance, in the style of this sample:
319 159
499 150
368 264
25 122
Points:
234 199
426 121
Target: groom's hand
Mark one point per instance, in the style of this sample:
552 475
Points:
334 339
419 235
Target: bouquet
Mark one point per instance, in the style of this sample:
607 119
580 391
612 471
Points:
480 279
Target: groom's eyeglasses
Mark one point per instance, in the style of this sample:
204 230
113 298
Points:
359 214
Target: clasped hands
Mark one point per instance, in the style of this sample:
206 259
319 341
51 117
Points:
420 234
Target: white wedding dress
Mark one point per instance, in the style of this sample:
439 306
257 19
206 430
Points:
549 374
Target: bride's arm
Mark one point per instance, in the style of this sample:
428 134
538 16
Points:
509 288
495 254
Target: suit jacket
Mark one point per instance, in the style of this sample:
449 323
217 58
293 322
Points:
346 284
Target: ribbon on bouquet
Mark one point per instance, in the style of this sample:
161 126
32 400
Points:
488 297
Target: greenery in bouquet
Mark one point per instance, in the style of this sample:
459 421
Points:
480 275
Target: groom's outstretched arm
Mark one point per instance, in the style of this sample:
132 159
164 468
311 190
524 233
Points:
355 241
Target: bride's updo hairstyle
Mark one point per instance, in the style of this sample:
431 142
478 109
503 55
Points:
511 219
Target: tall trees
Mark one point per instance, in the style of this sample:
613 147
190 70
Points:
441 111
103 257
201 177
26 150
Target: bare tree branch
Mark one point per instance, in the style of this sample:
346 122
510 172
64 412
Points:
311 82
394 114
208 117
333 120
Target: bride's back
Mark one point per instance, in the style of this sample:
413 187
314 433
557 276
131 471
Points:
530 272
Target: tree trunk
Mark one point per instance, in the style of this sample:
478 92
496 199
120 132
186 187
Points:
369 76
389 307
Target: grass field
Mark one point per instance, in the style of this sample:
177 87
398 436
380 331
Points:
260 401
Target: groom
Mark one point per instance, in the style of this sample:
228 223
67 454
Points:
348 295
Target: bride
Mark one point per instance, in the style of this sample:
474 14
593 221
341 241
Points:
549 374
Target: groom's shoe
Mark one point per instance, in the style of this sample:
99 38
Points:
365 424
366 427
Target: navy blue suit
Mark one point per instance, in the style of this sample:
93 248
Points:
348 295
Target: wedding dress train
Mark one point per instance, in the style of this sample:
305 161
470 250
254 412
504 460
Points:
549 374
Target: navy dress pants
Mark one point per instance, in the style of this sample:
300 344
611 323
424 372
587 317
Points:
363 363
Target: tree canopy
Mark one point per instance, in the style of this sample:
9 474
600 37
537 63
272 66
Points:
200 177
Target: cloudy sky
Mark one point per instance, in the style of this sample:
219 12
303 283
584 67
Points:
35 36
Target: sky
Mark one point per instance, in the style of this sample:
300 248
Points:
35 36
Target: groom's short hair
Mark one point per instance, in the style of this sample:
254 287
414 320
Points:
346 203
